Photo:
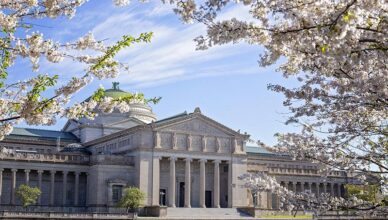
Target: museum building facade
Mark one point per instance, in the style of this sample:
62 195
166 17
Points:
187 160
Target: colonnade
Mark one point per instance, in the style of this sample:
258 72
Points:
202 182
65 174
272 201
315 187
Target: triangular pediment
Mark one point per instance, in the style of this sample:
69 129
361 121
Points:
197 124
127 123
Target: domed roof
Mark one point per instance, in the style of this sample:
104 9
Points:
140 111
115 92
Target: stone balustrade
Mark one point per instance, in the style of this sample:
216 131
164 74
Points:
304 172
112 160
62 215
51 158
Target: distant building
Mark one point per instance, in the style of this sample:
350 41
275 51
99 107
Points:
187 160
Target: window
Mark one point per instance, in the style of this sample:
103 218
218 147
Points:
117 192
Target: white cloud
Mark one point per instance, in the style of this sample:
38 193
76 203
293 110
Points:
171 55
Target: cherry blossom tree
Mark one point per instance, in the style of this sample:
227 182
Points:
27 100
338 50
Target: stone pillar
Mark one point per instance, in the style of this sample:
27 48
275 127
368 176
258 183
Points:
87 189
155 180
52 186
310 187
64 189
317 185
294 186
230 183
171 197
339 190
40 172
269 200
216 189
27 176
202 179
286 185
188 183
13 186
76 190
325 187
1 183
331 189
302 186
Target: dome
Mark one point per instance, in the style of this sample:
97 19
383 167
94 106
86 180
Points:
140 111
115 92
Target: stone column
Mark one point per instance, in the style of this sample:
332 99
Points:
230 183
325 187
27 178
1 183
331 189
310 187
87 189
216 193
171 197
52 186
188 183
155 180
202 179
317 185
286 185
40 172
64 189
302 186
294 186
13 186
269 200
339 190
76 188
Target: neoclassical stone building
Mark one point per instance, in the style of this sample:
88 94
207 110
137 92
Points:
187 160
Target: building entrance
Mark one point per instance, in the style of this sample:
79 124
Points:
181 194
162 197
208 199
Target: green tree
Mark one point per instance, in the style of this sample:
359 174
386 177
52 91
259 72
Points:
132 199
364 192
27 194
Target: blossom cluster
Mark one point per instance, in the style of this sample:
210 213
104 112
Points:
337 50
27 100
292 201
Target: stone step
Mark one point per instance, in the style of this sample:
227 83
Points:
206 213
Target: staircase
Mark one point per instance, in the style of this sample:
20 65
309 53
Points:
205 213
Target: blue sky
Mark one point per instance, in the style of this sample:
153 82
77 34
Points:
226 81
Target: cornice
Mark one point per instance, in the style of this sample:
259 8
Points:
37 142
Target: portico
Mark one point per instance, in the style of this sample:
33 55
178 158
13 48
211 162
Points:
193 182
